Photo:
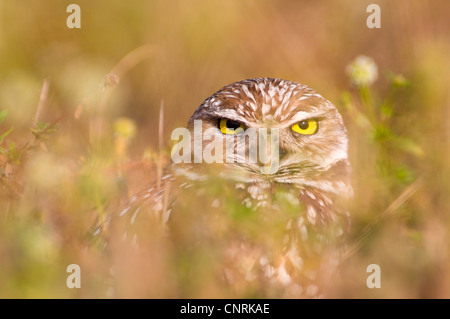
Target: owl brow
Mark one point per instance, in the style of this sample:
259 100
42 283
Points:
306 116
230 115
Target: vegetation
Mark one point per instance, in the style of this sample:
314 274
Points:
80 132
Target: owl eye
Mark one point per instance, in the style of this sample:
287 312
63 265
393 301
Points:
305 127
230 127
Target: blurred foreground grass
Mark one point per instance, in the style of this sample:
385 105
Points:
76 141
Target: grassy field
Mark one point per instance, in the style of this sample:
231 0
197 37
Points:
79 132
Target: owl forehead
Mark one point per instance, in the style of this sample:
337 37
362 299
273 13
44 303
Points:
264 99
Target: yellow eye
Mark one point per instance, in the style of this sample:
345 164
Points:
305 127
230 127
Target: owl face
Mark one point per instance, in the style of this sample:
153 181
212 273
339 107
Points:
290 121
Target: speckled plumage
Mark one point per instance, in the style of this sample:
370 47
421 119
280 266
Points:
313 178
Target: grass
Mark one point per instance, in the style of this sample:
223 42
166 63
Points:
80 131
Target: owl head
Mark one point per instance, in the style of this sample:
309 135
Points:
300 131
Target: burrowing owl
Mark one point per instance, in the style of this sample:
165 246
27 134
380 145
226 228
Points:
303 189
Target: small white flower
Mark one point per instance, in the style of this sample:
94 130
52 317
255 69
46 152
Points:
362 71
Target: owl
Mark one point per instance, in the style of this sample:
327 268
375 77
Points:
264 163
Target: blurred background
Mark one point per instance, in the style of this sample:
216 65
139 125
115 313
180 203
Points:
84 108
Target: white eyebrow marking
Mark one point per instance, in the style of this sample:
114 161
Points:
301 115
231 114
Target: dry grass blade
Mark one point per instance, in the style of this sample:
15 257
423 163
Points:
160 144
400 200
42 100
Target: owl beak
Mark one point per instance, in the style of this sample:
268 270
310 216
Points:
269 151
